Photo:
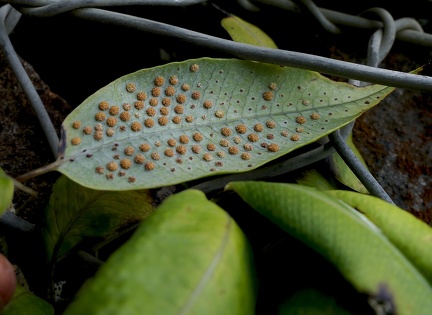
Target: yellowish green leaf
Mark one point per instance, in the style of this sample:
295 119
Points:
189 257
343 173
411 235
348 239
76 214
24 302
6 191
245 32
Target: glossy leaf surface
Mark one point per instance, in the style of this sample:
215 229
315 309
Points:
202 117
189 257
311 301
358 249
313 178
76 213
6 191
25 303
411 235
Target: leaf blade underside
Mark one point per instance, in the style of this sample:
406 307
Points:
180 134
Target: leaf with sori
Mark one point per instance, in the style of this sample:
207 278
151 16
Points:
76 214
187 120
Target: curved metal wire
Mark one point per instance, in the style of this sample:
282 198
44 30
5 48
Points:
340 18
321 18
275 56
382 40
59 7
25 81
357 167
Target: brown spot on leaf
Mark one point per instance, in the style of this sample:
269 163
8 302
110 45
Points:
233 150
149 166
181 149
100 116
170 91
111 121
268 95
125 116
295 137
76 124
184 139
125 163
181 98
300 119
270 124
139 159
258 127
207 157
139 105
225 131
149 123
87 130
208 104
315 116
141 96
144 147
159 81
273 147
253 137
104 105
153 101
76 141
169 152
130 87
112 166
176 119
163 121
136 126
151 111
241 128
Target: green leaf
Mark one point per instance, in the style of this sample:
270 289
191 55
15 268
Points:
411 235
234 116
189 257
313 178
343 173
311 301
24 302
245 32
75 213
6 191
359 250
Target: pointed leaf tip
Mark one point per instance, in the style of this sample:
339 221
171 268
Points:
245 32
